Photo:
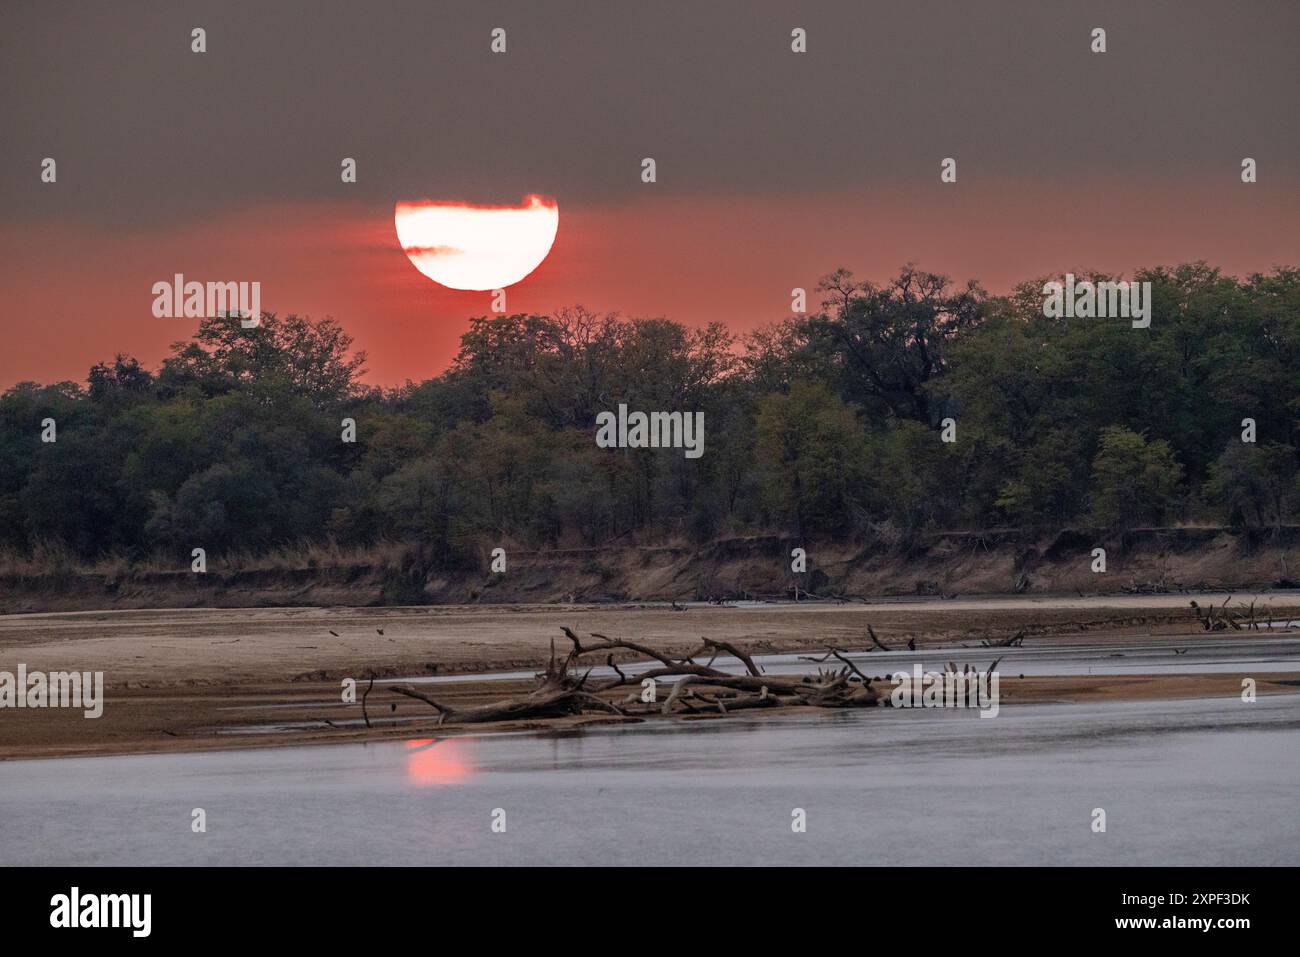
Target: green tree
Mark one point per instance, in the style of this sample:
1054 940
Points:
292 354
1256 484
814 456
883 345
1133 480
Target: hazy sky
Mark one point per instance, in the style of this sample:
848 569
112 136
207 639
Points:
773 167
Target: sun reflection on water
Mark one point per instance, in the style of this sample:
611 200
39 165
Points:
431 762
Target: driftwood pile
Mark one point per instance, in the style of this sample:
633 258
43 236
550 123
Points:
1222 619
567 688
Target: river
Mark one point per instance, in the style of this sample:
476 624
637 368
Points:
1184 782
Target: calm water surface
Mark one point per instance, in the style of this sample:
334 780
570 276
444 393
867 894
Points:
1183 782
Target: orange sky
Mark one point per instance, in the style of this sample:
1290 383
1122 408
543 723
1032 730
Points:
77 293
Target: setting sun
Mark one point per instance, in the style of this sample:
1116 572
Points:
477 247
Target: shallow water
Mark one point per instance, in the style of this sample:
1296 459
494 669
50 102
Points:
1190 782
1153 656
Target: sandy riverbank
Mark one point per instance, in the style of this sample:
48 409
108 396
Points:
183 679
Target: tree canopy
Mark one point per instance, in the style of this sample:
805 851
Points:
822 424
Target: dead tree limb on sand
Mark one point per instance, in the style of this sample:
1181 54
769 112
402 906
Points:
1015 641
1221 619
366 694
557 694
566 688
871 632
850 665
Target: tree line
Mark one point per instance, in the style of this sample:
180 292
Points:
826 424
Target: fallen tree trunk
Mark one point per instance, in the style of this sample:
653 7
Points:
542 703
561 691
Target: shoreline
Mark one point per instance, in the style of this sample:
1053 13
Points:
195 738
184 681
